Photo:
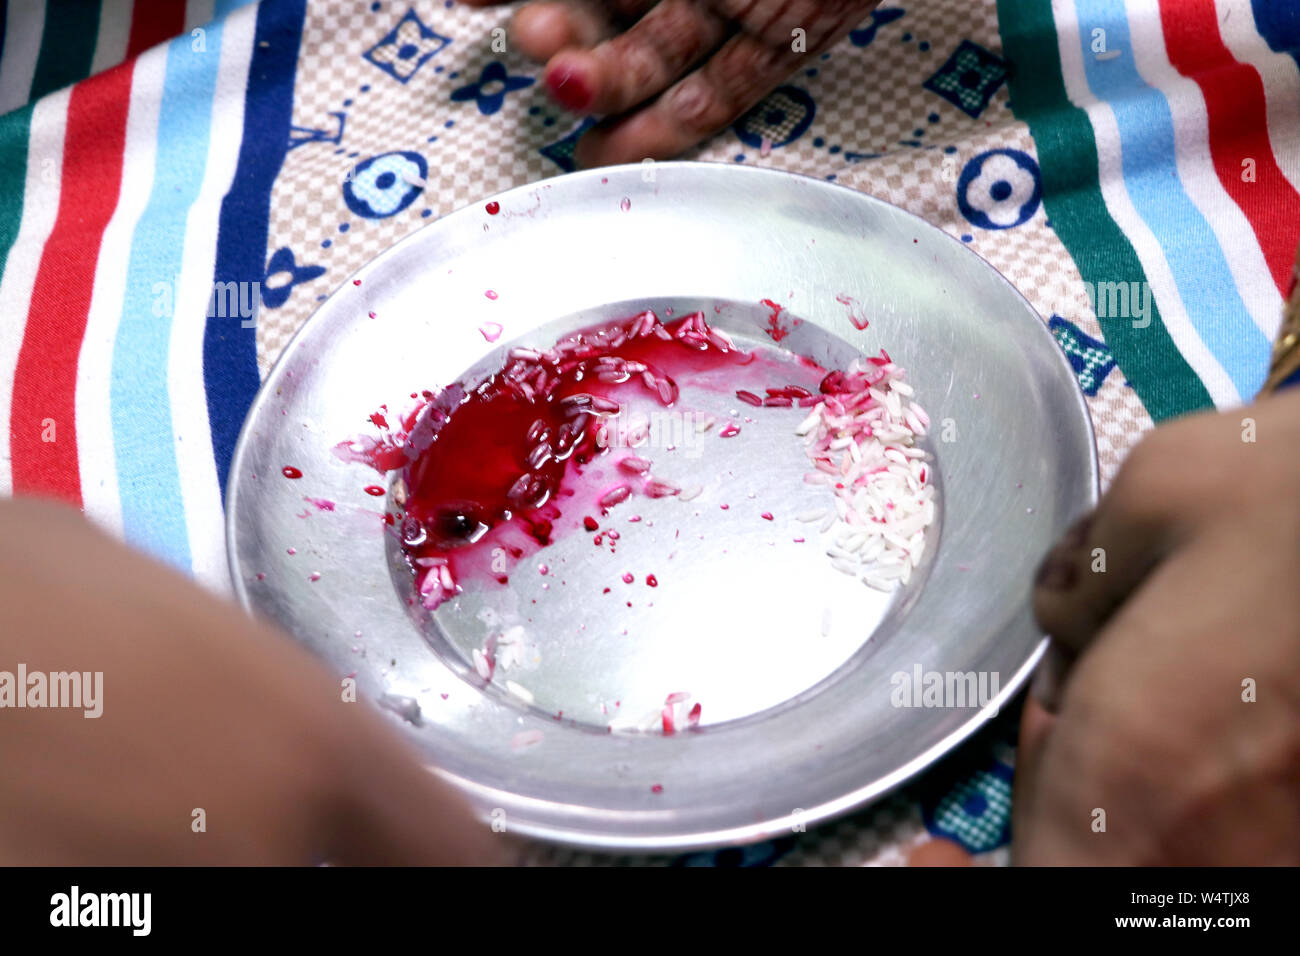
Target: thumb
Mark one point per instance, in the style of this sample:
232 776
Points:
393 810
1036 725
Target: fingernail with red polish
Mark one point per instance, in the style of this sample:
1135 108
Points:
570 88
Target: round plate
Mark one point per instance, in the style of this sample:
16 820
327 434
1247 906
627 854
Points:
800 671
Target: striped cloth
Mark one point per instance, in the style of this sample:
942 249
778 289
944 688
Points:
1131 165
1176 164
126 197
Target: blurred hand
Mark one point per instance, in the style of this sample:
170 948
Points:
202 708
1139 711
668 74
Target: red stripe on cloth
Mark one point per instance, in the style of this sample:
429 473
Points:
1238 120
154 22
45 379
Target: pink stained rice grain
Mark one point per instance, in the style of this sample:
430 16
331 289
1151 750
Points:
615 496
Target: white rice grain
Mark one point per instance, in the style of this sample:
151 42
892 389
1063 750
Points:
863 441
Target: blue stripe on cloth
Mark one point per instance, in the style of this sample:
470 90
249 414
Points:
1147 145
224 7
230 373
1279 24
143 436
1291 381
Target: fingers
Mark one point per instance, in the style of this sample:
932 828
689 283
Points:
1099 562
1050 676
415 825
540 30
1183 476
394 812
731 81
1155 731
642 62
1036 725
773 21
544 28
1090 572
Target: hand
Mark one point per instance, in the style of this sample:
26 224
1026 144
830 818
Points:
668 74
1142 716
202 708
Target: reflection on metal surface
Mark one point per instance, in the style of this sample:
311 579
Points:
791 661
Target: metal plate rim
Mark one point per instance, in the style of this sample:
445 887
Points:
686 841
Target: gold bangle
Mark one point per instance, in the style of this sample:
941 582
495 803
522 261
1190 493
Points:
1286 350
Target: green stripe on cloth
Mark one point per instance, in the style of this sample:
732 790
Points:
15 128
1067 156
67 45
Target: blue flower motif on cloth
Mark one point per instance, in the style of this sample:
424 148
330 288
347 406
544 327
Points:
491 89
976 813
384 185
1090 358
282 274
754 855
1000 189
298 135
781 118
879 18
560 152
405 48
969 79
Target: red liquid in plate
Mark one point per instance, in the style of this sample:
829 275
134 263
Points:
493 473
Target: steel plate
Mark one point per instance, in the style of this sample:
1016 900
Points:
796 666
